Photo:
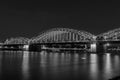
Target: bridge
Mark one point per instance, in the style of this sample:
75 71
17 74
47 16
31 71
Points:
64 39
110 40
112 35
58 35
18 43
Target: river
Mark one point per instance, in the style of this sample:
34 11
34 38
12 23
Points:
24 65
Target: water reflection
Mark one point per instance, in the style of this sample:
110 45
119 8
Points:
108 66
115 65
57 66
94 66
25 65
11 65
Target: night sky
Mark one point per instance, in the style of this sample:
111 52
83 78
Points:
29 18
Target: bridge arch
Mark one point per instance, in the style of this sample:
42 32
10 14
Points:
17 40
110 35
58 35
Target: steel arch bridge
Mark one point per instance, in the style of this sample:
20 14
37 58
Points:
112 35
62 35
17 40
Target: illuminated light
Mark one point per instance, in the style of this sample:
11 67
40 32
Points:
43 47
94 37
107 54
83 58
105 37
93 47
107 44
11 47
26 47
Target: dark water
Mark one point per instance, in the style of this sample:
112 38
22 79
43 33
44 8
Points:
57 66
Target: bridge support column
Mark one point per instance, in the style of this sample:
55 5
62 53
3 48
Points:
26 47
100 47
93 47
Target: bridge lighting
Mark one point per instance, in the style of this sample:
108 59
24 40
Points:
26 47
105 38
107 44
93 47
43 47
60 35
94 37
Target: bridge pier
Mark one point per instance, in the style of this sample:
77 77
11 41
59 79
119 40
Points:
100 47
26 47
93 47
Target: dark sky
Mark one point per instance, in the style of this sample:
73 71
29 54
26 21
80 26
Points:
29 18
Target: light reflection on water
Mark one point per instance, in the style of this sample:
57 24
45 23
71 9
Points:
108 66
25 65
58 66
94 66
